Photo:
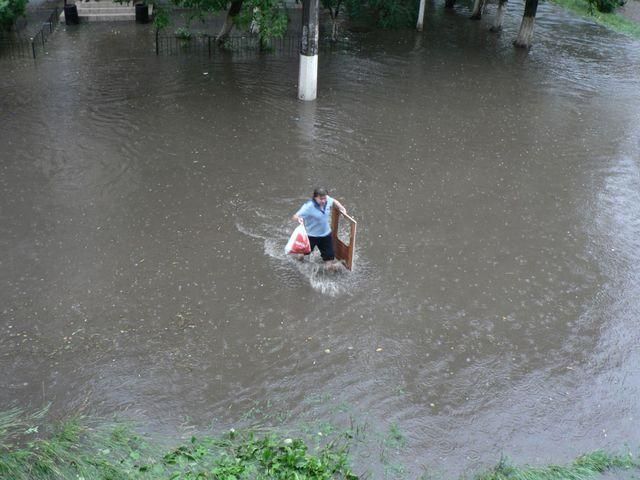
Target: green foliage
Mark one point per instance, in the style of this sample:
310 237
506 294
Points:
395 438
267 18
33 449
10 11
395 13
585 467
330 4
161 17
613 20
605 6
183 33
76 450
387 14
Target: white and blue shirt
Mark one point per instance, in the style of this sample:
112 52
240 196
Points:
316 219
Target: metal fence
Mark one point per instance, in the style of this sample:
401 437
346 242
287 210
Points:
20 47
45 32
207 45
15 48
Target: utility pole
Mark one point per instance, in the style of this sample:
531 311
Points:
308 76
420 16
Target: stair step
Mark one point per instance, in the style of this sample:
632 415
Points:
108 17
97 6
98 11
107 12
103 4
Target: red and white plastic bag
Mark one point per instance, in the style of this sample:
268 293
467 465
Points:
299 242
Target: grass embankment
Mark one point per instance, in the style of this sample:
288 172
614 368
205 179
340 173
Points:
74 449
613 20
585 467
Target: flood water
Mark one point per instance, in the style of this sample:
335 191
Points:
145 202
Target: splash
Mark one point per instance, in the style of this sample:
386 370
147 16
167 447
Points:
328 281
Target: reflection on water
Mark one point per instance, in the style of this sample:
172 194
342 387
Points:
145 203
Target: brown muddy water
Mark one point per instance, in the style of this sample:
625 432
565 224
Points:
145 204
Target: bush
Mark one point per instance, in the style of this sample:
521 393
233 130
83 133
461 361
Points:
183 33
10 10
605 6
388 14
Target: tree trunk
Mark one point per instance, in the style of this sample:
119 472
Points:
449 3
334 29
334 12
497 22
420 16
234 10
525 35
478 5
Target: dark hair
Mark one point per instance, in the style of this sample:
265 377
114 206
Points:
319 192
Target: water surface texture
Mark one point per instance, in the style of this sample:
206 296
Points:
145 202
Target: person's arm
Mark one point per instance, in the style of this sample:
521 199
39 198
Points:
340 206
299 215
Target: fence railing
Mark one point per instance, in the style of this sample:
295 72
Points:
207 45
48 27
23 47
15 48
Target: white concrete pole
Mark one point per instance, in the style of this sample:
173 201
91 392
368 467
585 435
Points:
308 76
420 16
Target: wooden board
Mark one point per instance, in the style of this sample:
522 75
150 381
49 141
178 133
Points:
343 251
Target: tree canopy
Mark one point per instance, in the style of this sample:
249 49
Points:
268 18
10 11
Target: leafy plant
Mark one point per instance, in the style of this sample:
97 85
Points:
267 18
161 17
183 33
75 449
10 11
605 6
384 13
584 467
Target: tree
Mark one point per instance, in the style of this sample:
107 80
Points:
478 9
234 11
267 17
334 9
525 35
497 22
10 11
605 6
385 13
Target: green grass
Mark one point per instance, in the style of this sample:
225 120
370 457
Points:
32 448
614 21
76 450
395 439
588 466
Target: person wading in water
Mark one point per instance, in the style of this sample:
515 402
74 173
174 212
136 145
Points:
315 215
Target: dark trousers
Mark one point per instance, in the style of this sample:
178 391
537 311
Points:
325 245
